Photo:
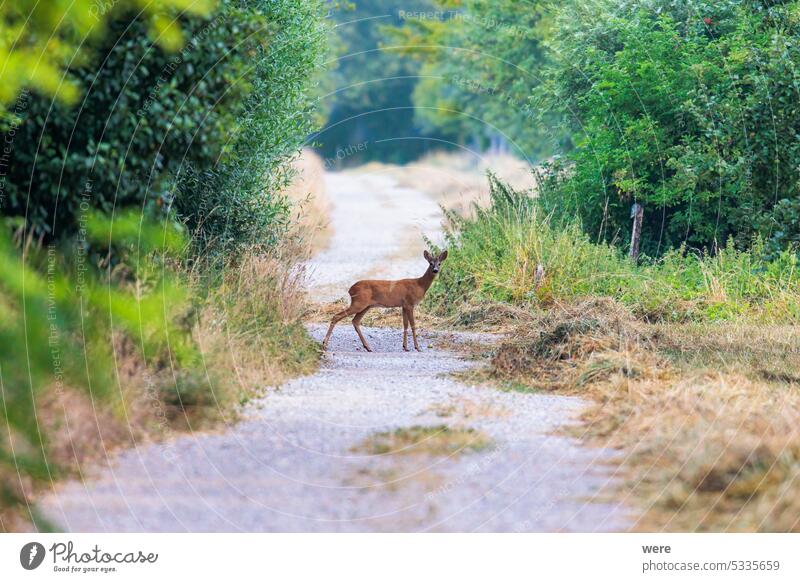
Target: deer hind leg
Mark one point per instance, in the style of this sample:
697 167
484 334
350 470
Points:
413 327
357 324
336 319
405 329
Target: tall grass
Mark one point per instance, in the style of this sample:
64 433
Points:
495 252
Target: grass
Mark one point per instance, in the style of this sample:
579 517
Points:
428 440
310 200
710 436
690 362
494 257
250 325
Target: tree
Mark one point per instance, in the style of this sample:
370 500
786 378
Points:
481 61
371 104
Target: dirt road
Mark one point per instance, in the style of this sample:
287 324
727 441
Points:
301 459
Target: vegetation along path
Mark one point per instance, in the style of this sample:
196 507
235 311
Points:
383 441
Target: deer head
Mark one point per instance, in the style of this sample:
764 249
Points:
435 262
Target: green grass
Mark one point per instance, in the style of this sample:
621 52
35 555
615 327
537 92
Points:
494 255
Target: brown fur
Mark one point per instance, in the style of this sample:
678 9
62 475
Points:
405 293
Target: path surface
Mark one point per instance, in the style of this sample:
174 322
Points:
293 463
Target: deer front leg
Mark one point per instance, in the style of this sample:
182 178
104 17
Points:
413 327
357 324
405 329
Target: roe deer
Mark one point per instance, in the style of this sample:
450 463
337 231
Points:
405 293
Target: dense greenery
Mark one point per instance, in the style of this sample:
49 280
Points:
38 40
209 127
236 202
494 255
686 107
689 108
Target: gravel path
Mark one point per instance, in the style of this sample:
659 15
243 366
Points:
292 464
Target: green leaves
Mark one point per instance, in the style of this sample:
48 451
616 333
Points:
37 39
694 120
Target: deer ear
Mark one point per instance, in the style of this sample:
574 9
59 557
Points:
427 256
443 256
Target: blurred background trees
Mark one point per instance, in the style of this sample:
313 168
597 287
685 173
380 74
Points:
372 83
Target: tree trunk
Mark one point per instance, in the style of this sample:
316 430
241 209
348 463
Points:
637 213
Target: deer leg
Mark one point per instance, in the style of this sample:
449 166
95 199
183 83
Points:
357 324
413 327
336 319
405 329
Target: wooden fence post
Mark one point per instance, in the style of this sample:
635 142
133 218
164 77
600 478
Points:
637 212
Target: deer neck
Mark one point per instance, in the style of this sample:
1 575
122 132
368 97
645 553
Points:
427 279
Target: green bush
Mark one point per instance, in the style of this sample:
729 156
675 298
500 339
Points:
234 204
494 256
688 108
207 130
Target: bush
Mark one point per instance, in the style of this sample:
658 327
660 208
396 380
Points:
685 107
235 204
209 128
494 257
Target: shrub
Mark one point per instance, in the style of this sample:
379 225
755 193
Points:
207 130
495 253
685 107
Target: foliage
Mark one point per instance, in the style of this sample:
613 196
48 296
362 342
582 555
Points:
60 314
494 256
236 204
40 40
481 59
689 108
206 131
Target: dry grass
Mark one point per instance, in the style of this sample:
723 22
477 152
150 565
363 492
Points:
310 199
377 317
425 440
708 416
250 327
